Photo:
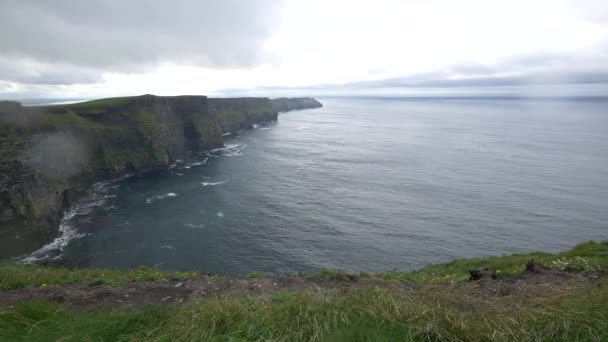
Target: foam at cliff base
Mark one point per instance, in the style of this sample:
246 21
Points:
96 198
160 197
212 183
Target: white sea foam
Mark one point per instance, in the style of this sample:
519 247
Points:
97 196
160 197
167 247
230 150
212 183
195 226
220 214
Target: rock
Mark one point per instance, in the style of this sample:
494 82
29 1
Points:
534 267
97 283
481 274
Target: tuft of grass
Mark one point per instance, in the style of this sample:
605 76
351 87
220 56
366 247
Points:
255 275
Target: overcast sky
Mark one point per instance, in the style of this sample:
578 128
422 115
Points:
85 49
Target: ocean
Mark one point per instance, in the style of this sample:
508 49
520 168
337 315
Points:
362 184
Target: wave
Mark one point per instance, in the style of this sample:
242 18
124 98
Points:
195 226
188 164
212 183
230 150
160 197
96 198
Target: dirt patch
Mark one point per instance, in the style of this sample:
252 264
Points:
178 292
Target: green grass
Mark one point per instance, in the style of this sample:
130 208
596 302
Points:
255 275
354 314
14 276
588 256
106 103
67 119
435 309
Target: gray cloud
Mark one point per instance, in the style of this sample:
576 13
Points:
513 75
78 39
30 72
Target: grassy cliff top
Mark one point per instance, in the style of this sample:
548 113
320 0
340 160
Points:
560 296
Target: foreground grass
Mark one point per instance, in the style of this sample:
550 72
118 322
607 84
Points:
357 314
440 307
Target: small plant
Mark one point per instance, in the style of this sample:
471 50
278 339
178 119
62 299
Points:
577 263
325 272
255 275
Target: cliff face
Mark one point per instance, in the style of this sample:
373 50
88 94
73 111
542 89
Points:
236 114
284 104
50 155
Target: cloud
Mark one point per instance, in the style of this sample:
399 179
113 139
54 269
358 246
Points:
29 71
74 41
76 48
521 75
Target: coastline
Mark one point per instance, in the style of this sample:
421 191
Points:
51 155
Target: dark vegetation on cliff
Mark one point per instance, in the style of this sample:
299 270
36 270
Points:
557 297
49 155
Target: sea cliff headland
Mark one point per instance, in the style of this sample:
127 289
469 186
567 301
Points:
49 155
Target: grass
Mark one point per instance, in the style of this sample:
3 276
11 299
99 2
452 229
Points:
106 103
588 256
438 308
60 120
15 276
355 314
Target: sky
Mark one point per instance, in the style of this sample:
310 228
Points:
86 49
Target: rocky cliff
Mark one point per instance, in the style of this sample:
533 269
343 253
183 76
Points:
236 114
50 155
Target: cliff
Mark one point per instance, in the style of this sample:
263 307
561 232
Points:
236 114
284 104
50 155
